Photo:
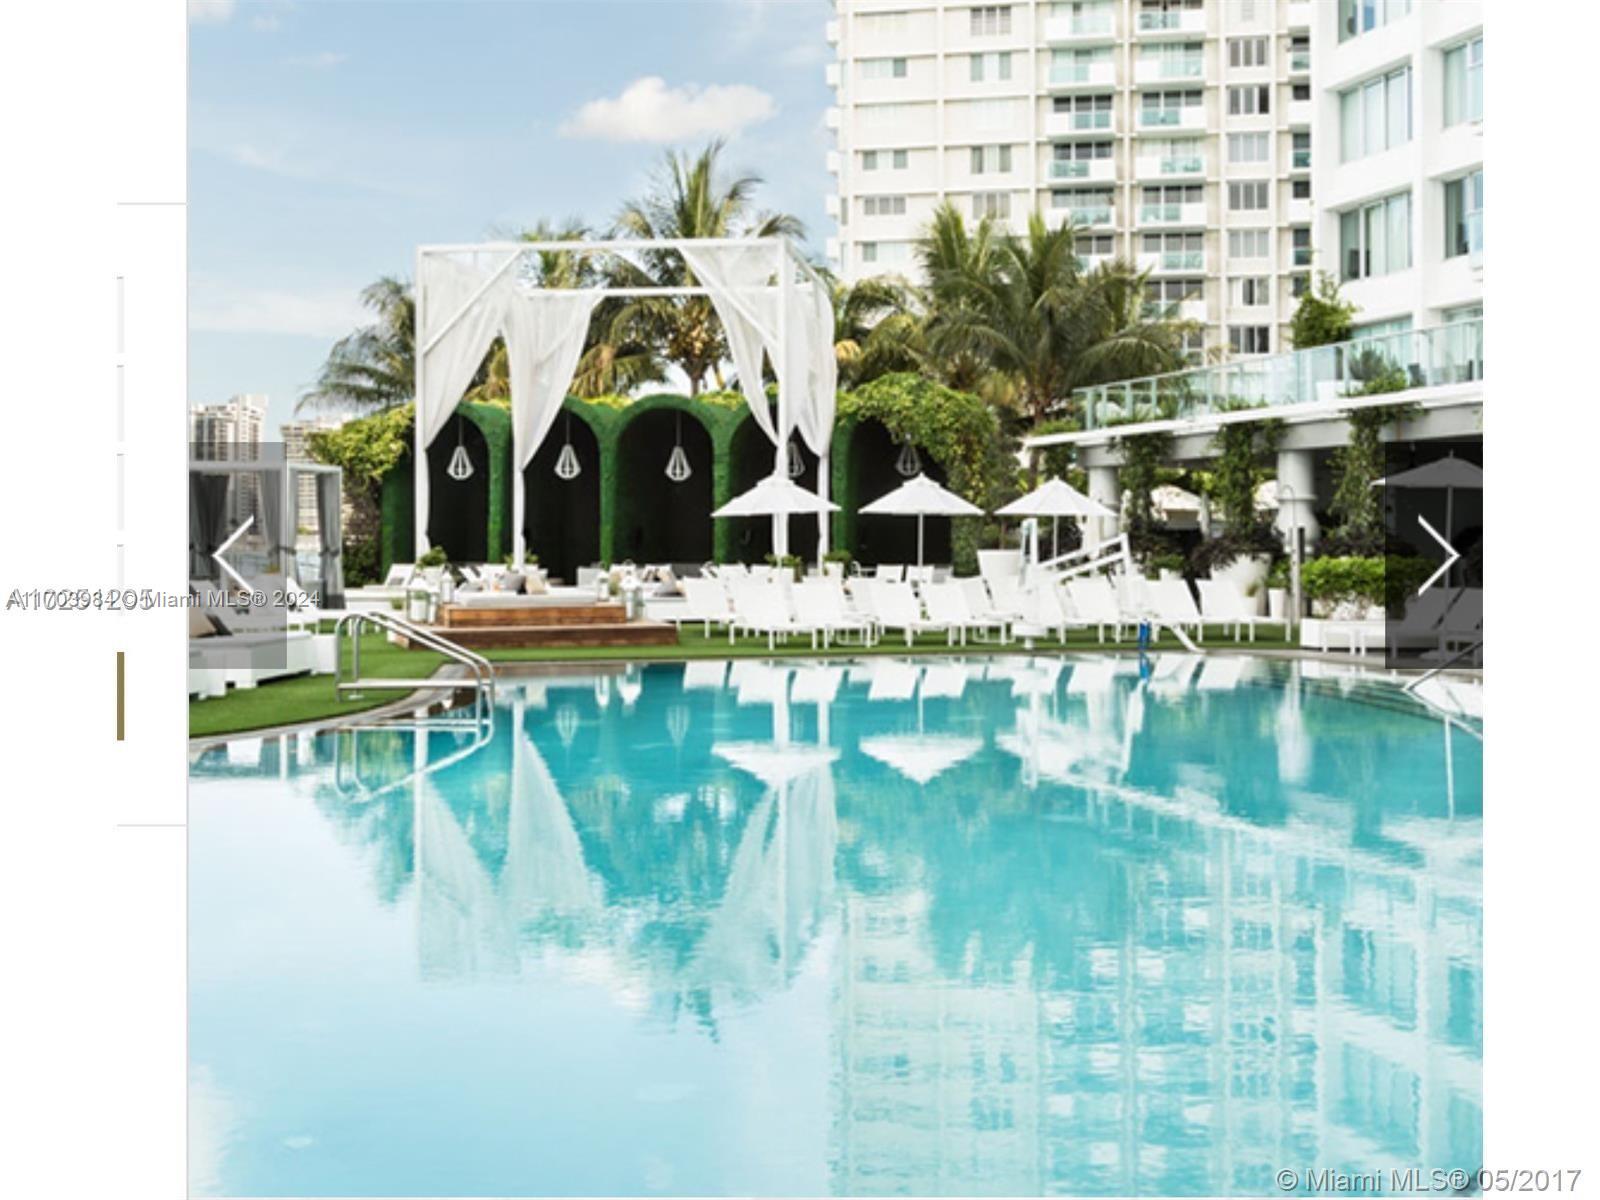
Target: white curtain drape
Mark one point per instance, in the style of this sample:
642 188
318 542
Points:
544 334
448 367
820 367
739 280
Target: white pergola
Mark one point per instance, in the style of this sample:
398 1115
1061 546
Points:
771 302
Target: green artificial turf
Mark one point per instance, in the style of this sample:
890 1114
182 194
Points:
311 698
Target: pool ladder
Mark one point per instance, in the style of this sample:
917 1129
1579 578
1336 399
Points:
481 671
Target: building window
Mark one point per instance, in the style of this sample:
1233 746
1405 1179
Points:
991 20
1363 16
1299 284
883 68
1175 251
1300 241
1299 92
1159 294
1375 239
1165 108
991 204
1086 112
1247 52
899 158
1070 160
1247 195
869 252
1086 207
884 116
1376 115
1301 159
1253 99
1249 339
869 160
883 206
991 160
1097 245
1167 203
1463 83
1248 243
1300 189
1174 60
1251 291
1075 66
1463 215
1164 14
986 67
1247 147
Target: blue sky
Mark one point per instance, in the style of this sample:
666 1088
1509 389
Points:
329 137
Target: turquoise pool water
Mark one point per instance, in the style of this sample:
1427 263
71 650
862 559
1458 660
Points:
1026 926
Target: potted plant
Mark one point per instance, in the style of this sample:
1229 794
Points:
1277 587
836 563
792 563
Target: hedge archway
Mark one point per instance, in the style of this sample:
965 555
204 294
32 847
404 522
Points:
750 456
956 433
661 520
561 517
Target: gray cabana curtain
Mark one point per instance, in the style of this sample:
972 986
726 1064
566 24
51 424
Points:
330 534
208 512
272 530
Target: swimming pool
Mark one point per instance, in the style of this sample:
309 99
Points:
1019 926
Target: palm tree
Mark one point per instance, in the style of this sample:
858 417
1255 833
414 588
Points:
1021 307
373 368
689 199
877 328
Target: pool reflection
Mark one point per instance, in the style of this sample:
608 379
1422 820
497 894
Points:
1092 926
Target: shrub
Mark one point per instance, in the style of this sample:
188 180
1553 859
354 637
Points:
433 556
1377 580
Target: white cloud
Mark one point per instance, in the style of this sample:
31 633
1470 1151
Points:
322 61
649 111
211 12
216 307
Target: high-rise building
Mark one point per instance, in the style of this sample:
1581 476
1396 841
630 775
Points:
1175 133
1398 173
232 431
296 437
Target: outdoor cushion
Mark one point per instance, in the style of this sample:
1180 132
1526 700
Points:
511 581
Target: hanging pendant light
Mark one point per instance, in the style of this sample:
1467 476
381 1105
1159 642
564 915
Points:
567 466
460 466
678 462
797 464
566 724
677 724
910 462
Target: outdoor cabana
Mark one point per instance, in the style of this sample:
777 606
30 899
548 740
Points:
278 483
773 307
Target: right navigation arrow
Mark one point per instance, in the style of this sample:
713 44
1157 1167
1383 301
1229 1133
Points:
1448 549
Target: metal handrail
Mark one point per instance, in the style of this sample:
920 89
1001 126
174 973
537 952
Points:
481 668
1414 684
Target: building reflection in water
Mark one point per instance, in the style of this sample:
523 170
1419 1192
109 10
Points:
1092 926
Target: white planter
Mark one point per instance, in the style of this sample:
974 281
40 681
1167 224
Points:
1249 575
1277 603
1166 576
999 564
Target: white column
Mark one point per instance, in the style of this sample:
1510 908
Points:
780 452
1104 488
419 452
824 519
1297 496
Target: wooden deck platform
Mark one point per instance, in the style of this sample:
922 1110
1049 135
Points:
550 626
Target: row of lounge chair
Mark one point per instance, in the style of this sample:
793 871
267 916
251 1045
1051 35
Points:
996 610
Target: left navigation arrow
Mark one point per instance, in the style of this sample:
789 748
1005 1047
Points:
223 549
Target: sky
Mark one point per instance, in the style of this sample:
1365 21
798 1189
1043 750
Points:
328 138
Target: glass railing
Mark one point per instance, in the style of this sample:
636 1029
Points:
1091 120
1074 169
1299 60
1176 68
1159 212
1191 164
1097 215
1159 116
1301 256
1444 354
1181 260
1069 73
1152 21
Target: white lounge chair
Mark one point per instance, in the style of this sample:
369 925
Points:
1222 603
1042 612
895 606
1093 601
764 608
982 606
1006 591
890 572
947 605
821 602
1171 603
704 600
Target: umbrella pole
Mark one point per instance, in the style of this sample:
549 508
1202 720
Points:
1055 535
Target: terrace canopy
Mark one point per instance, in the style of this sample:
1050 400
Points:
771 303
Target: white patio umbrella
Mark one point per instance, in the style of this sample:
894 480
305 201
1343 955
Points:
1448 473
776 496
921 757
921 497
1054 498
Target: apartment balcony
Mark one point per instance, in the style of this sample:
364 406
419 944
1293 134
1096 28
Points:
1058 124
835 162
1067 30
1167 70
1301 13
1299 62
1182 20
1180 166
1300 256
1191 117
1298 211
831 74
1067 76
1172 262
1172 215
1442 356
1092 170
1299 114
831 32
831 248
1088 262
830 116
1300 160
1087 216
830 204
